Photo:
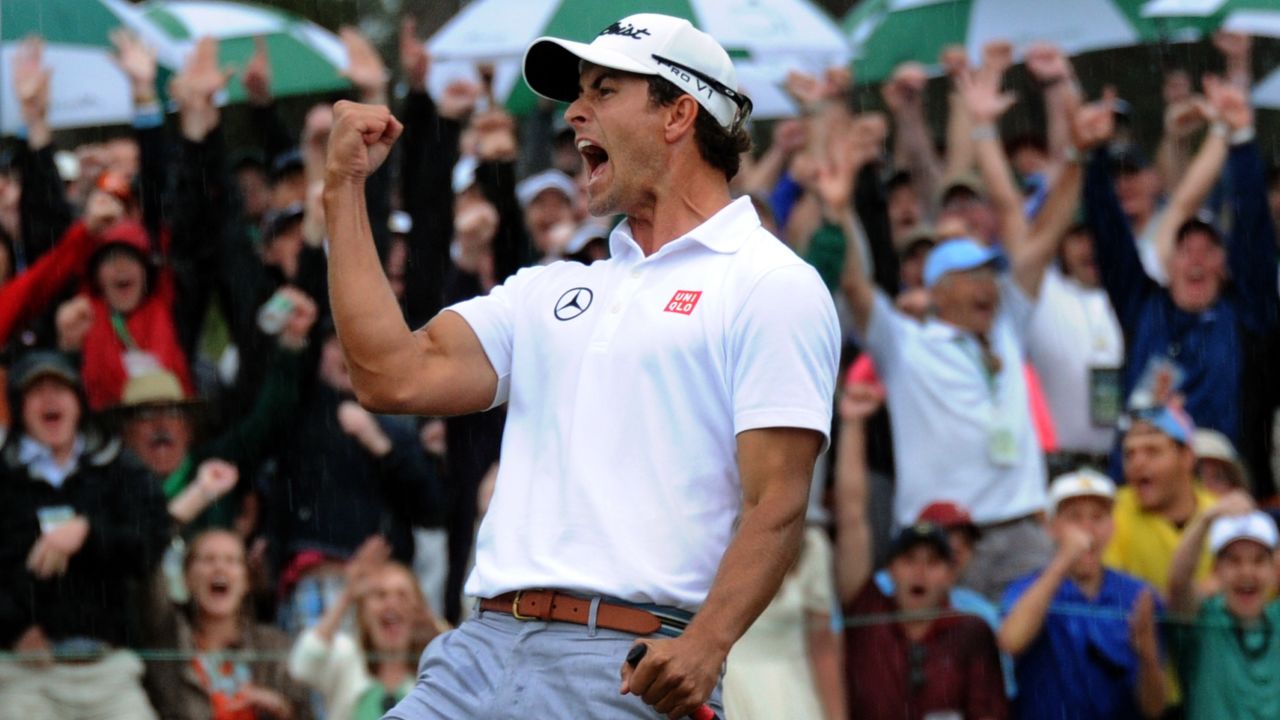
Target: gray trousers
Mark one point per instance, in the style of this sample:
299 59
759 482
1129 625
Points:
496 667
1006 552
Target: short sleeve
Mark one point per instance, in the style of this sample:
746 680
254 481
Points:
1016 306
492 318
784 344
884 335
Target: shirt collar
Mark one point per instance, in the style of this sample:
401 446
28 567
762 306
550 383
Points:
724 232
40 463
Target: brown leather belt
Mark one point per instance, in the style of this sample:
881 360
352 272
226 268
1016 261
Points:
549 605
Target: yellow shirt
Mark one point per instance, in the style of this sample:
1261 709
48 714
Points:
1143 543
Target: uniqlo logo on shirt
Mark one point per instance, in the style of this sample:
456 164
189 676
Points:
684 301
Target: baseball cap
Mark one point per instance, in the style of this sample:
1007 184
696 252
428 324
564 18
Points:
966 181
1213 445
533 186
41 364
285 164
946 515
1128 158
644 44
922 234
1171 421
958 255
921 533
1084 482
1256 526
585 233
277 221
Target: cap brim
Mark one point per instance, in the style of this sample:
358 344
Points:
551 66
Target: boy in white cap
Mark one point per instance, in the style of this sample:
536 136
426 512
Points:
1083 636
664 406
1226 646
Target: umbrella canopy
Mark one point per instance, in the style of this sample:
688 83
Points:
886 33
85 87
305 58
766 38
1196 18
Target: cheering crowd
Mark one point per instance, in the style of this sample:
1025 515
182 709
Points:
1054 423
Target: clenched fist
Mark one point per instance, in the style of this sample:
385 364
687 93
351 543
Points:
360 141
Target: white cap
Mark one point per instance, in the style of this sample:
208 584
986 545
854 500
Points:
1256 526
1213 445
535 184
645 44
585 233
1081 483
399 222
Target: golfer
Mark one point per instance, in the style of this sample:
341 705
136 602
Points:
665 406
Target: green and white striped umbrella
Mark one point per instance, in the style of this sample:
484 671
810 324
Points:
305 58
85 86
766 38
885 33
1197 18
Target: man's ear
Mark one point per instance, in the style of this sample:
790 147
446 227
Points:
680 118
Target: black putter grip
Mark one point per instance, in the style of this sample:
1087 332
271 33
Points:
636 654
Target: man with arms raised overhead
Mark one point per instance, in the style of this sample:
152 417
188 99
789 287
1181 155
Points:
665 407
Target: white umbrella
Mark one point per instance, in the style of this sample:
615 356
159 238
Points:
85 86
767 38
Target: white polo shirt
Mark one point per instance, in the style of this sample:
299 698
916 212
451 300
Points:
946 409
627 381
1073 330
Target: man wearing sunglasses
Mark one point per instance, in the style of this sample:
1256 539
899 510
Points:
665 406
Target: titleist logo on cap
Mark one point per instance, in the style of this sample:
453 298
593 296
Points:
627 30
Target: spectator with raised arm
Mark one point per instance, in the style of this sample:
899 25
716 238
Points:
1084 636
960 376
1224 645
363 676
1222 289
929 660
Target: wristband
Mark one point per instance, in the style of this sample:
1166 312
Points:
986 131
1219 129
1071 154
1242 136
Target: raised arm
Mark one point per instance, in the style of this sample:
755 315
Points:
1202 173
1121 269
1026 618
43 208
913 150
1053 73
853 535
1251 246
1183 598
439 370
835 185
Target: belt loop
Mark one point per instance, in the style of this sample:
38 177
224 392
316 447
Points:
591 616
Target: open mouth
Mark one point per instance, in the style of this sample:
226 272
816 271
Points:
917 592
219 587
51 417
161 440
595 156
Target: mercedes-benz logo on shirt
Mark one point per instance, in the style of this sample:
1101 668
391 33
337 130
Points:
573 303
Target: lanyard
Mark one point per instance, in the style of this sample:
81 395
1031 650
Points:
122 330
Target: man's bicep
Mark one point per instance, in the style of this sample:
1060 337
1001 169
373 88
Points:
777 462
456 376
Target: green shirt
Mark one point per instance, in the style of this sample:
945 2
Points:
1228 672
